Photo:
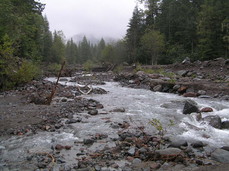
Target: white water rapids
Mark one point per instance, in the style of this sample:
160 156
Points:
140 107
143 105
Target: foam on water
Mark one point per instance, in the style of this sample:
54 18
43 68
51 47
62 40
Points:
143 105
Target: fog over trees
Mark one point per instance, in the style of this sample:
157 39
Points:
165 31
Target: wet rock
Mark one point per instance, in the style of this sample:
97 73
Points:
197 144
68 147
221 156
169 151
178 143
225 125
118 110
71 121
182 89
204 97
157 88
93 112
190 107
58 126
201 92
225 148
214 121
190 94
206 109
88 141
99 106
59 147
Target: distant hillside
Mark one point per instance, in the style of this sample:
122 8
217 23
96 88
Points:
92 39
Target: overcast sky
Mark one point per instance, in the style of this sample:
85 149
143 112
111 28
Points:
100 18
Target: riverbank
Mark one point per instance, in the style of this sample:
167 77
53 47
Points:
106 130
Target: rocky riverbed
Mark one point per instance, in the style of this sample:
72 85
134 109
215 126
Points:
114 127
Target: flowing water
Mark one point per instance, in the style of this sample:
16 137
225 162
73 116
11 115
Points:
140 107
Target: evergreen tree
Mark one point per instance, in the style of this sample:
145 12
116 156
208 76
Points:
211 29
134 32
58 48
71 52
84 50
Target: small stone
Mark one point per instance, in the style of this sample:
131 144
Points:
169 151
155 165
157 88
99 106
201 92
136 161
118 110
206 109
178 143
190 94
68 147
132 151
88 141
197 144
64 100
93 112
176 87
59 147
182 89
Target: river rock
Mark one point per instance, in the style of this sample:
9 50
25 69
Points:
136 161
182 73
214 121
190 107
206 109
225 148
93 112
182 89
176 87
201 92
132 151
197 144
190 94
118 110
178 143
225 125
157 88
221 156
169 151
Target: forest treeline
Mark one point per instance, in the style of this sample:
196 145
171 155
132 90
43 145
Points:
165 31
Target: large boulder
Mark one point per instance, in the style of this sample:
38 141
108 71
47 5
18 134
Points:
225 125
214 121
190 107
221 156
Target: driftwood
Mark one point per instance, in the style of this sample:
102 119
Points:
86 86
50 97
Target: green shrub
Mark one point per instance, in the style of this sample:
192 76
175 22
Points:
118 69
88 65
54 68
27 72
